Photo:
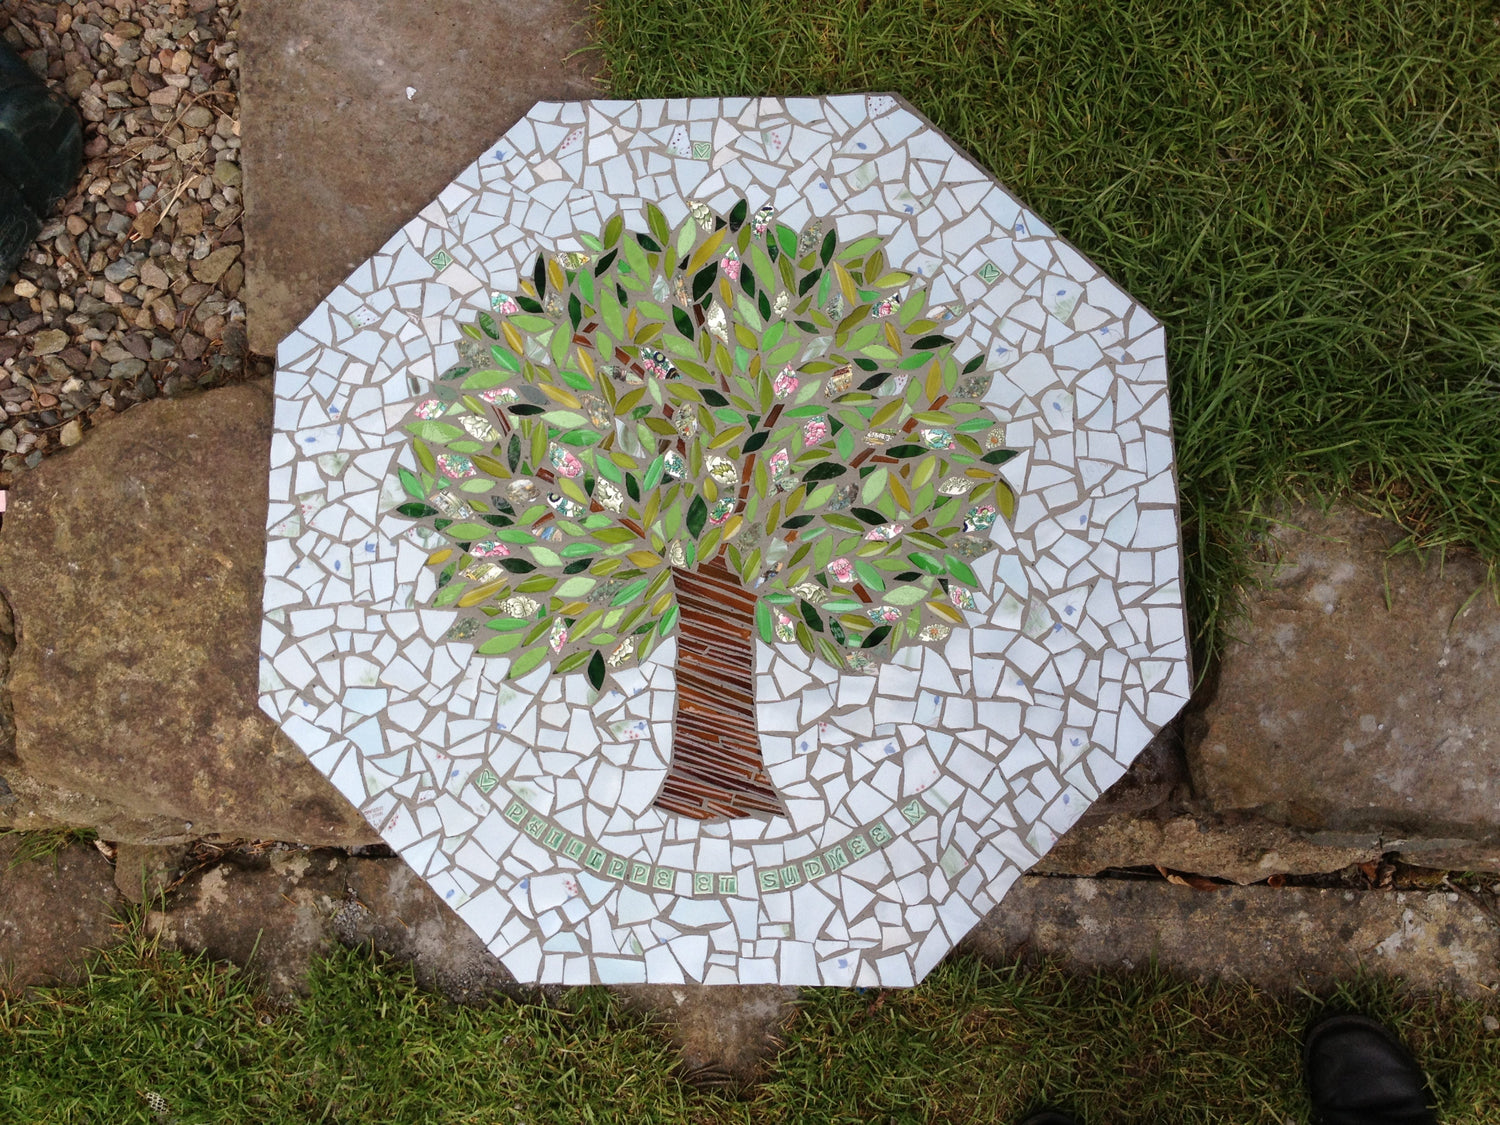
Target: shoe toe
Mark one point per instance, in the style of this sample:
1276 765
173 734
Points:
1358 1072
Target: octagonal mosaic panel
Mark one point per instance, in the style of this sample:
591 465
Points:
724 541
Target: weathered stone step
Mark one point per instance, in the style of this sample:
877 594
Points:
1362 695
133 567
1275 938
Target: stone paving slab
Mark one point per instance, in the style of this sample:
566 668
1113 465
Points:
356 114
1361 694
271 913
133 567
54 911
1245 850
1275 938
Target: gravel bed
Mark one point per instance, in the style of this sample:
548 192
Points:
133 289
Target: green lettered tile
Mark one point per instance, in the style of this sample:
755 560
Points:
768 880
729 884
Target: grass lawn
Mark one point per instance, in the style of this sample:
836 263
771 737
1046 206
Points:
1306 193
157 1037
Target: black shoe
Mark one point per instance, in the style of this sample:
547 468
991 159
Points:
1050 1117
41 154
1358 1073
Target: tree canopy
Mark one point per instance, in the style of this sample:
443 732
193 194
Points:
732 389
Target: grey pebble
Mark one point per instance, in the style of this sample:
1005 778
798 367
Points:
118 271
127 368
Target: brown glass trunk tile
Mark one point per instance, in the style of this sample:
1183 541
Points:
716 769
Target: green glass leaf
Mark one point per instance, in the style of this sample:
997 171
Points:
763 624
905 595
507 624
596 670
830 244
463 532
486 379
868 575
630 592
528 323
558 348
961 570
811 616
656 222
585 282
697 516
439 432
859 248
640 269
612 231
505 642
923 561
703 281
784 354
527 662
410 484
572 662
668 620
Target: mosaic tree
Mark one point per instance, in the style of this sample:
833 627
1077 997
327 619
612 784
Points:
728 431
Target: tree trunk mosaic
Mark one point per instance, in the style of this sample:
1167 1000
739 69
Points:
716 768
